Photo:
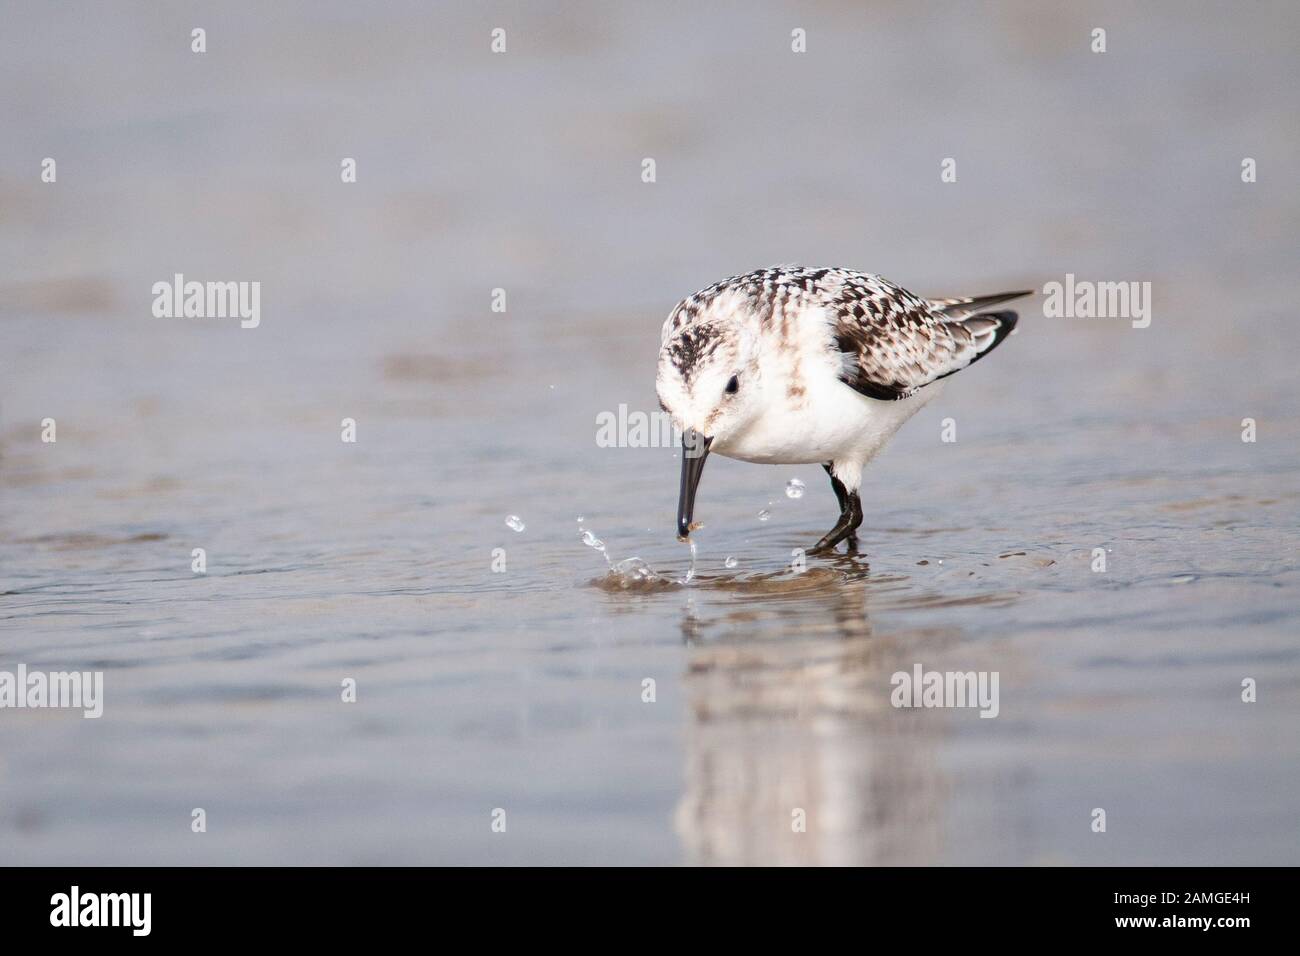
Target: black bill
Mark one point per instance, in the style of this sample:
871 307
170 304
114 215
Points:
695 448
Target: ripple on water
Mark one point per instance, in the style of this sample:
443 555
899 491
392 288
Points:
87 541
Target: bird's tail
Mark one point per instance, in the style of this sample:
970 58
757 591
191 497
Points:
954 309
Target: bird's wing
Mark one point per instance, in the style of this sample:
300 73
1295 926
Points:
960 308
892 343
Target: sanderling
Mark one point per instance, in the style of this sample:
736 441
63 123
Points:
792 365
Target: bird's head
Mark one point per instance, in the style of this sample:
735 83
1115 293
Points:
709 383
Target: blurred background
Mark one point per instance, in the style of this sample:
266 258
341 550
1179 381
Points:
522 689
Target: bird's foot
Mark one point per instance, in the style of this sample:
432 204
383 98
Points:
834 537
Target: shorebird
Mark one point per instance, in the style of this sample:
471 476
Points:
792 365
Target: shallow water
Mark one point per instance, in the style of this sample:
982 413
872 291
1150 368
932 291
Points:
522 689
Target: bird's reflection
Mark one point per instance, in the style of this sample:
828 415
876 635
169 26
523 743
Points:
799 722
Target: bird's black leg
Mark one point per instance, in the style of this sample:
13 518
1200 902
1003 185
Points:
836 484
840 494
850 519
850 516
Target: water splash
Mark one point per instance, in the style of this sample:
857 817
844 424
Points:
764 515
515 523
634 569
633 572
794 488
731 562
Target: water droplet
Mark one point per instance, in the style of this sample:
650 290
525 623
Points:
591 541
731 561
515 523
794 488
581 519
764 515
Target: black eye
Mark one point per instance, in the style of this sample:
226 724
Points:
733 385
